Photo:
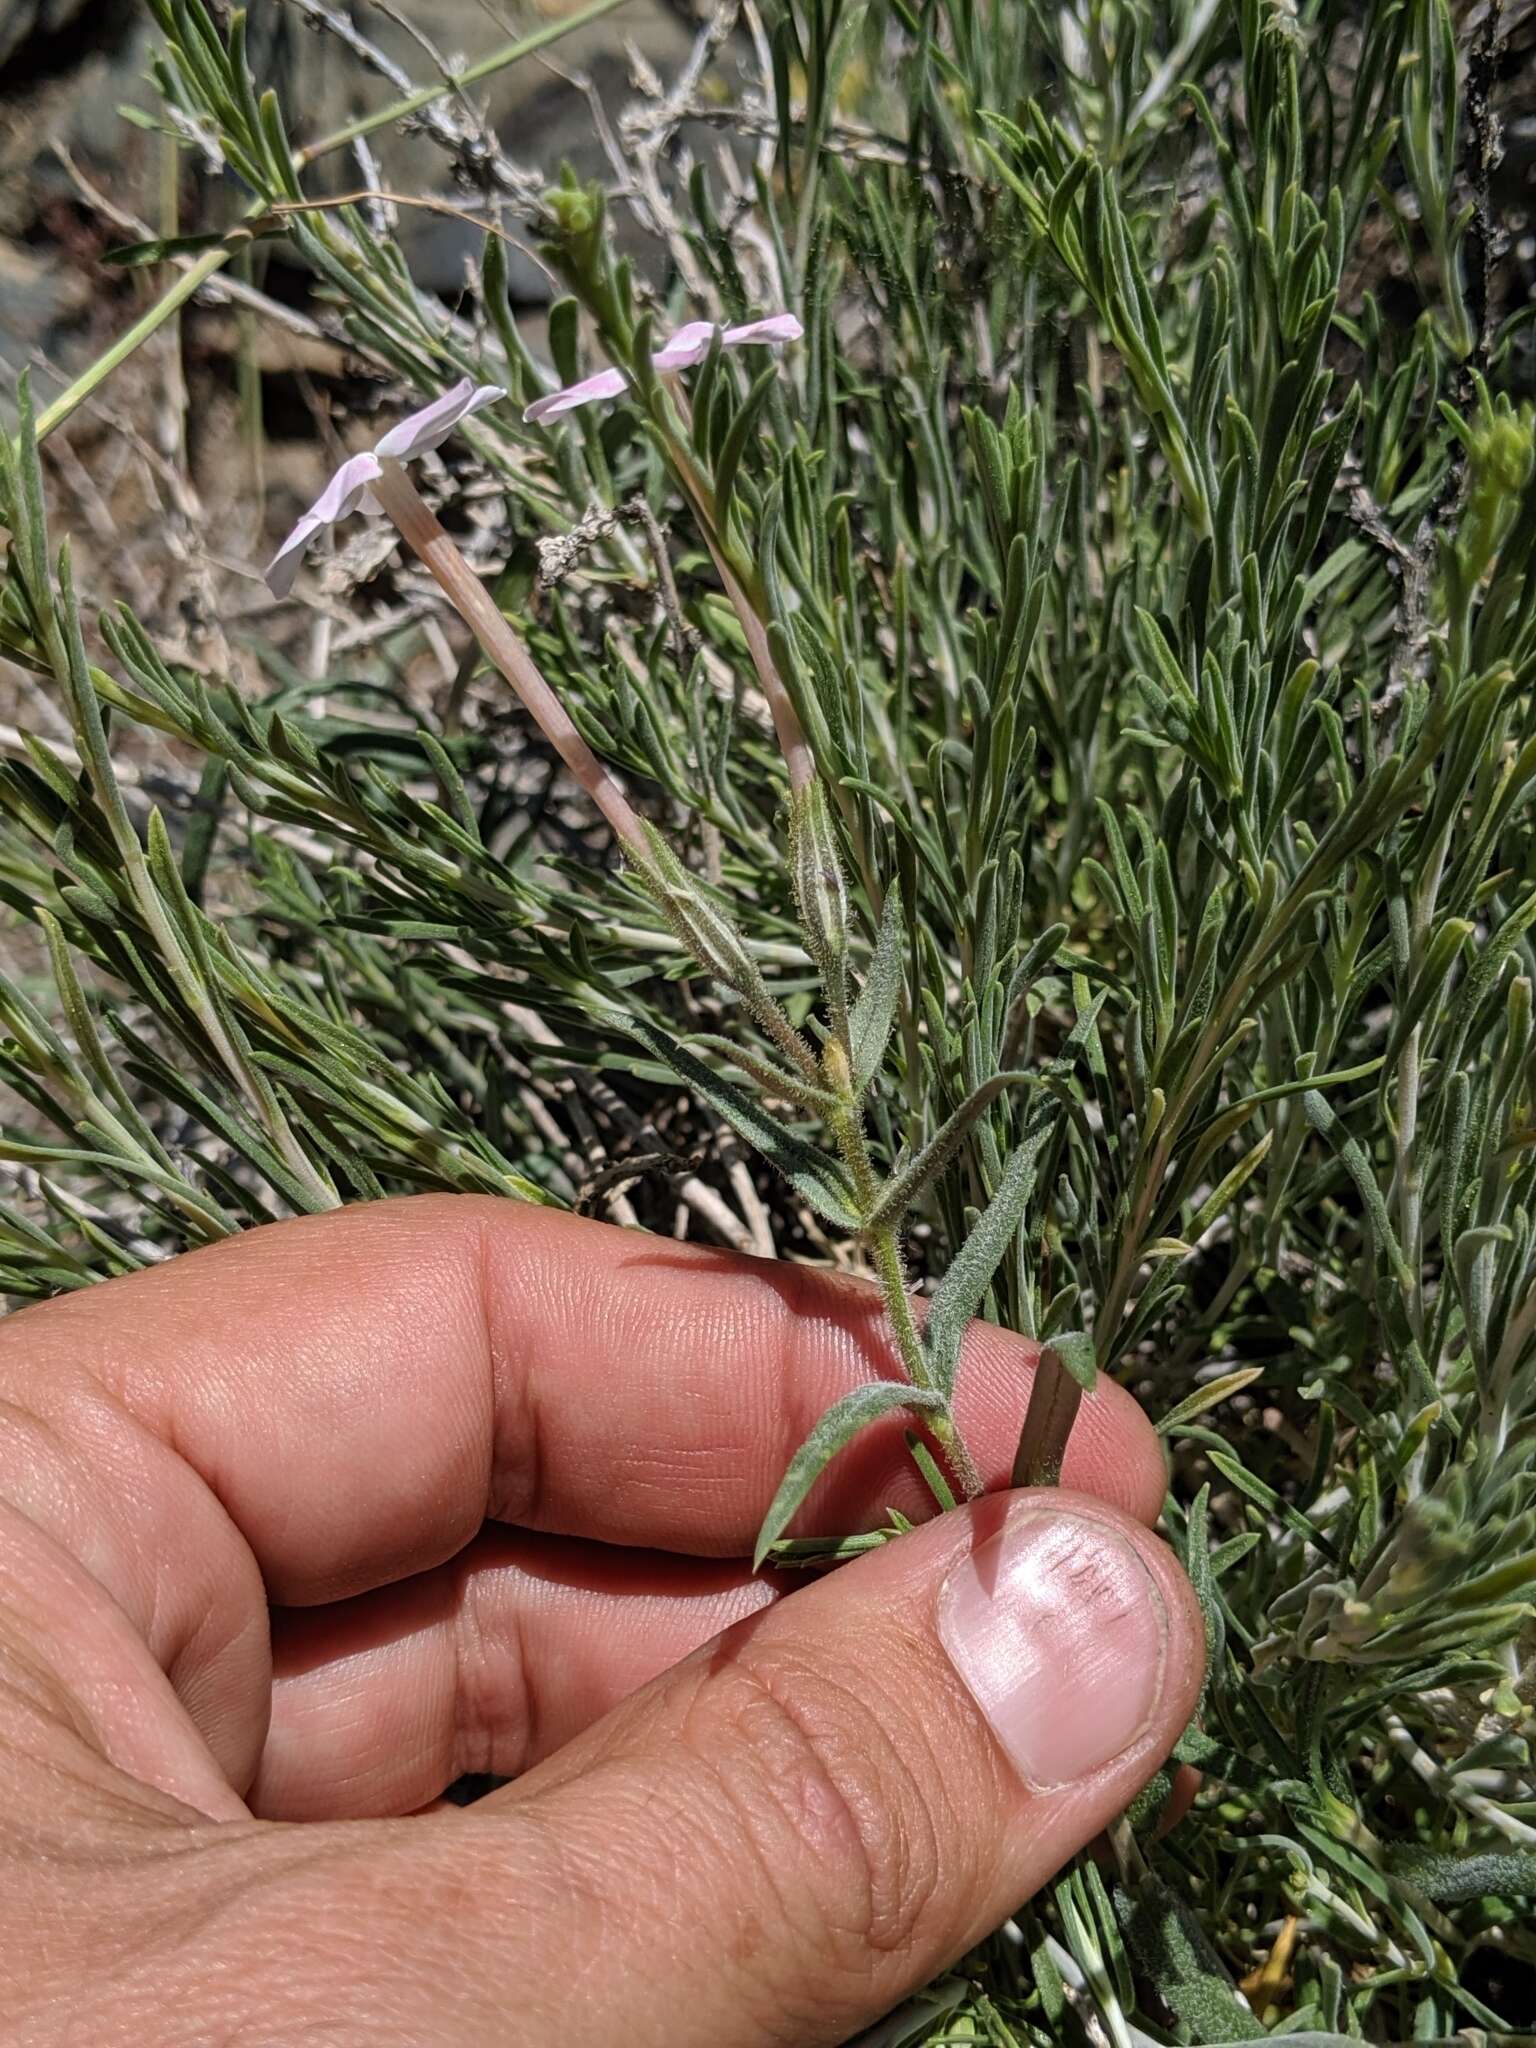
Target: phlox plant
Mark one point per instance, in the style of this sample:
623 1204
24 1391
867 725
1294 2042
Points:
994 744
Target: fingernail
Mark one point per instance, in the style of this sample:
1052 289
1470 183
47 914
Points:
1059 1632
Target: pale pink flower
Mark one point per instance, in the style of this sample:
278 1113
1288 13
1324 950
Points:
349 487
690 344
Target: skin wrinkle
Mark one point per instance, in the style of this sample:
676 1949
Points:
718 1867
883 1792
611 1914
515 1479
826 1778
88 1418
781 1793
238 1876
25 1419
477 1687
509 1757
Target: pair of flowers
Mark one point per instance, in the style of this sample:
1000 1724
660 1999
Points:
351 485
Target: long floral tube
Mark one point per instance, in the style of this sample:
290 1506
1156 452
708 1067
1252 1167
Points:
504 648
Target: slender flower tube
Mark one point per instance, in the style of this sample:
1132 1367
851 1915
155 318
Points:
351 486
378 481
404 504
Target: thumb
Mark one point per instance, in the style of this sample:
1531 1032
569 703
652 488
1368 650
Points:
820 1810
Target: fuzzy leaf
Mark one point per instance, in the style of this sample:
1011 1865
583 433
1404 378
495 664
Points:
1450 1879
818 1179
1177 1956
1211 1395
904 1188
959 1293
873 1015
837 1427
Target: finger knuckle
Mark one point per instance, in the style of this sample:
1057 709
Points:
492 1719
838 1809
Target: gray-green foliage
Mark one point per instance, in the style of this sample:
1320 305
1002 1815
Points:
1157 931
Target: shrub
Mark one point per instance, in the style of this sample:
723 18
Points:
1076 704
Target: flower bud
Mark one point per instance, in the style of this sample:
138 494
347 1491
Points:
820 894
835 1069
575 210
704 928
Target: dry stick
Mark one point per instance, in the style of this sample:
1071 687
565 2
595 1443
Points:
1054 1400
420 528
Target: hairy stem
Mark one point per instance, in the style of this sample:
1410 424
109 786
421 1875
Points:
848 1130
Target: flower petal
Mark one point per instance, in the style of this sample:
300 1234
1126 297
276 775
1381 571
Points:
338 500
776 327
690 344
606 384
431 425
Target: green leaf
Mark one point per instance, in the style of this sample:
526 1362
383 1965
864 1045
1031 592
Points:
933 1476
873 1015
1177 1955
135 255
1227 1188
819 1180
821 893
741 429
837 1427
904 1188
959 1293
1074 1349
1209 1396
1450 1879
1233 1469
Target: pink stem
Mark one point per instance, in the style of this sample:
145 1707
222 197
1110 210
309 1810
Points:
505 649
793 744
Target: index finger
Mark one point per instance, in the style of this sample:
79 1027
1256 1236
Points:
361 1390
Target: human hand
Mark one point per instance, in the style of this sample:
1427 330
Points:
737 1819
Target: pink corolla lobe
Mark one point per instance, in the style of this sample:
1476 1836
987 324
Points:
680 351
348 488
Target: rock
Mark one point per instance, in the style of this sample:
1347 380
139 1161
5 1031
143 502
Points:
38 296
44 39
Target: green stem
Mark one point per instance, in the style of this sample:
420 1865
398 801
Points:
898 1306
893 1285
749 602
848 1130
190 282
